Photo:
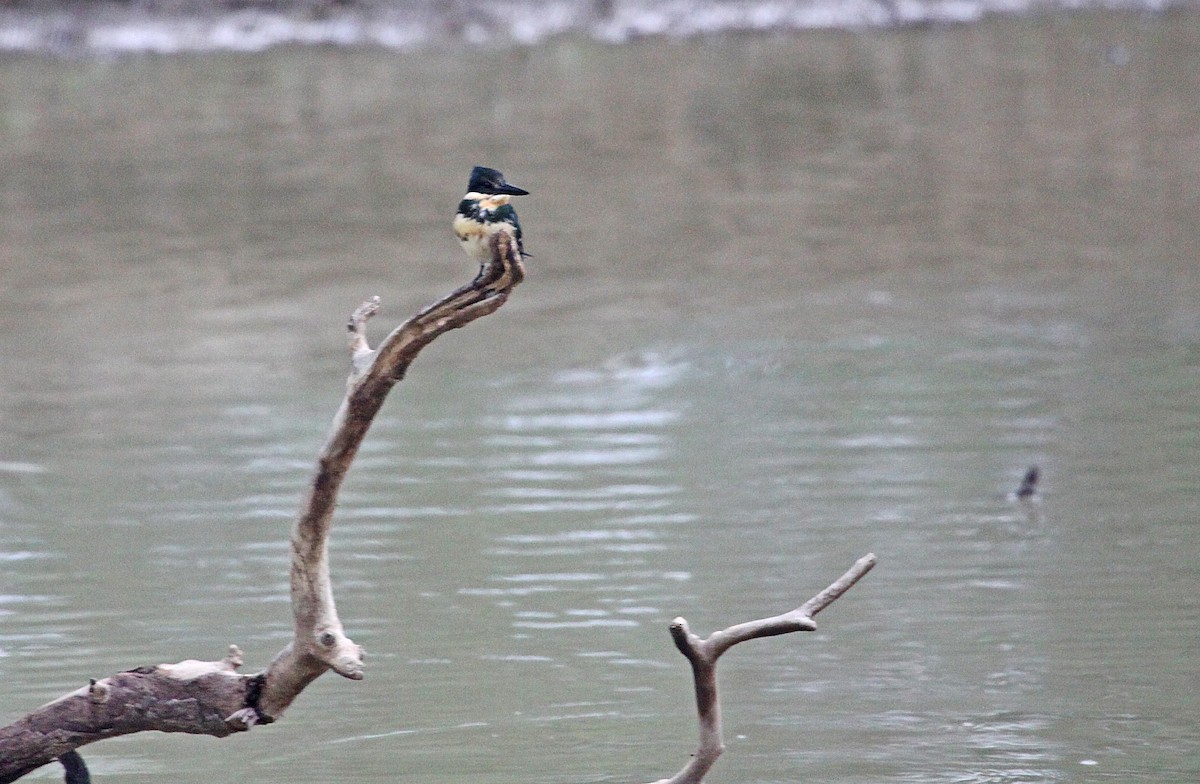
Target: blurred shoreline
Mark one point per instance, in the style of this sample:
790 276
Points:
85 29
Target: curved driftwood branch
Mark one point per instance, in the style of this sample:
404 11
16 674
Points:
212 698
320 643
703 655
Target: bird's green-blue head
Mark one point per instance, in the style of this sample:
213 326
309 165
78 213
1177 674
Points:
489 181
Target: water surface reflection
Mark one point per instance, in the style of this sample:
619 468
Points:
832 293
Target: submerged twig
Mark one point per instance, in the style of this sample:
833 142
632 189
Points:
1028 484
703 655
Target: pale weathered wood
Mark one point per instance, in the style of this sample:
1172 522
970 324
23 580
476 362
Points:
212 698
320 643
702 654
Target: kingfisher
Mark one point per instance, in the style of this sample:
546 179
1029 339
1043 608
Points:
484 211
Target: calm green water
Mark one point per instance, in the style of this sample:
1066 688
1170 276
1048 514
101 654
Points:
792 299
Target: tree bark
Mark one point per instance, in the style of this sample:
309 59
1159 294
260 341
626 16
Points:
703 655
212 698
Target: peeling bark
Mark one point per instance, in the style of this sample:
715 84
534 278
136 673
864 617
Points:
191 696
212 698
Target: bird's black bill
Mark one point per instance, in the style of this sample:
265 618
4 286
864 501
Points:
511 190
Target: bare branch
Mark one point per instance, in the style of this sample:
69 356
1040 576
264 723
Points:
320 643
211 698
360 351
703 655
190 696
839 586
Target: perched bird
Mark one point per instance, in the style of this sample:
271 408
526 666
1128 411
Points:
484 211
